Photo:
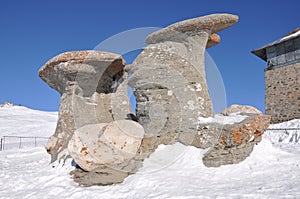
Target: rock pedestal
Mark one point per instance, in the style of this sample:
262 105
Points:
93 90
168 77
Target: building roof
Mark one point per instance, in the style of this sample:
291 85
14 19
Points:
261 52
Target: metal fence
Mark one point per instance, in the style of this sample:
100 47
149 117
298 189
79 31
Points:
283 129
17 142
293 134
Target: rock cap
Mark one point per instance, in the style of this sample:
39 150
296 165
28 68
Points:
213 23
55 73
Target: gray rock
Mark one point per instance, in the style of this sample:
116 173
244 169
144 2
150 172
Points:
112 144
168 77
213 40
235 108
99 176
213 23
93 90
235 141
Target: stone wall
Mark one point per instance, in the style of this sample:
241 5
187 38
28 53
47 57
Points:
282 93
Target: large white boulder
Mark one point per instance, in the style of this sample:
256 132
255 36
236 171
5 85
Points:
113 143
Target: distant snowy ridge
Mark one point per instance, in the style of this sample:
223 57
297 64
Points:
22 121
6 104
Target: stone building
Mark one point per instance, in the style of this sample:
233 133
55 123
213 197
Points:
282 77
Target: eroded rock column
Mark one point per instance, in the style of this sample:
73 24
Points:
93 90
169 79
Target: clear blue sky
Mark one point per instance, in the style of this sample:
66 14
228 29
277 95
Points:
32 32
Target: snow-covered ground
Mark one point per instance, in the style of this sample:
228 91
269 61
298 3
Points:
176 171
22 121
27 123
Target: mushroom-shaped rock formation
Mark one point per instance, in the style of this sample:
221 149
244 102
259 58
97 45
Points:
93 90
168 77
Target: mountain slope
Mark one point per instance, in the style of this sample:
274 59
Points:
22 121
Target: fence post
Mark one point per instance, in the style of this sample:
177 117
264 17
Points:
34 141
1 144
20 142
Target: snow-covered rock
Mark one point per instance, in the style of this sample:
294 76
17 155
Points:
234 142
242 109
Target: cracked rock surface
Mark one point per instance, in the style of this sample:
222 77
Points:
93 90
168 77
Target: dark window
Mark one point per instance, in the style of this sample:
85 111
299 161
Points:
271 56
280 50
271 52
297 48
290 51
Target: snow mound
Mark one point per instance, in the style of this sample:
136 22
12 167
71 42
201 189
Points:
287 132
221 119
269 172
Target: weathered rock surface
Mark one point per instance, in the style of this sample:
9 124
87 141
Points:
99 176
173 105
235 141
105 152
168 77
95 145
93 90
214 23
235 108
213 40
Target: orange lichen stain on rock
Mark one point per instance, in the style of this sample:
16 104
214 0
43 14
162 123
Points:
223 141
59 146
214 37
237 136
266 125
84 150
258 134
